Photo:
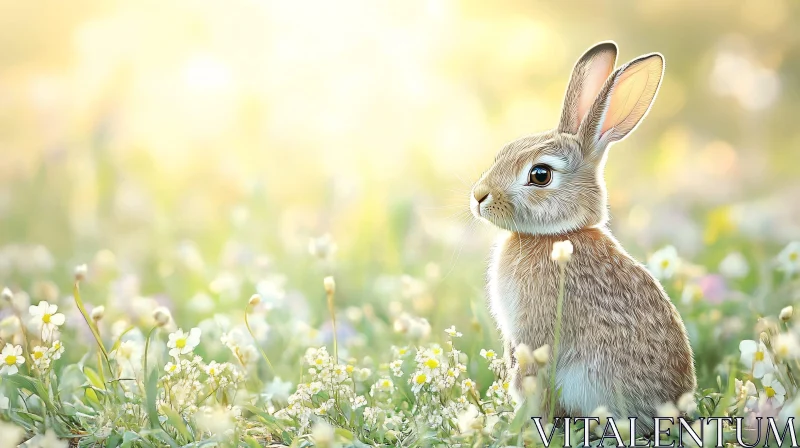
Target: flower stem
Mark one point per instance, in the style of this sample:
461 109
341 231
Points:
79 302
261 350
557 338
330 295
147 349
25 341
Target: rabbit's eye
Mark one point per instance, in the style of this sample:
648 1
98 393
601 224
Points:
540 176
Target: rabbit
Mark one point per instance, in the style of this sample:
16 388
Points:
623 344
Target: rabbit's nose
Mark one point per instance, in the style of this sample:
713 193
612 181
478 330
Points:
481 192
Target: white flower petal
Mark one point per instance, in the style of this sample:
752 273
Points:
748 346
762 368
57 319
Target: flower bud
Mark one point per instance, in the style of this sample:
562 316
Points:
562 251
524 355
330 285
162 316
323 434
7 295
255 299
764 337
686 403
668 409
602 413
322 247
98 312
786 313
80 272
542 355
529 385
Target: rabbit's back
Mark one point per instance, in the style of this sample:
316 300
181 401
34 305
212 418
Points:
623 344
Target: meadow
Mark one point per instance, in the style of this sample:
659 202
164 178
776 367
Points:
249 225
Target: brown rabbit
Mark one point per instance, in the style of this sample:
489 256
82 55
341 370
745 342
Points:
623 344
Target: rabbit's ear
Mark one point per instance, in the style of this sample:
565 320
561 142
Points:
588 77
623 101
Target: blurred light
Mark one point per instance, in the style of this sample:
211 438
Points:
754 86
203 73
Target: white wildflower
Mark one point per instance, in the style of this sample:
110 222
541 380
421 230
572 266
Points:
755 356
40 357
48 440
10 359
452 332
216 420
470 420
789 258
323 434
692 293
790 410
488 354
786 346
129 357
734 265
362 374
277 389
172 368
746 393
371 416
774 393
397 367
663 264
46 318
383 385
241 345
358 402
56 349
467 385
182 343
212 369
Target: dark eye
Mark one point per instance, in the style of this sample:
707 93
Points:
540 175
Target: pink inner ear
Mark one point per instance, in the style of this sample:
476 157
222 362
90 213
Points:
598 71
632 95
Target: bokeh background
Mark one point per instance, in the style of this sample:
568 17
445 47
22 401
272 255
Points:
191 151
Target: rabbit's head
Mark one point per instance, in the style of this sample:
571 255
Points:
552 182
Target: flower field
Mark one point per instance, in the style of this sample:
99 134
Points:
74 374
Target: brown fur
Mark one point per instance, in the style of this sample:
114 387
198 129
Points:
616 318
623 344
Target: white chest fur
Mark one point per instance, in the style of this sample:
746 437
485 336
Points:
503 296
